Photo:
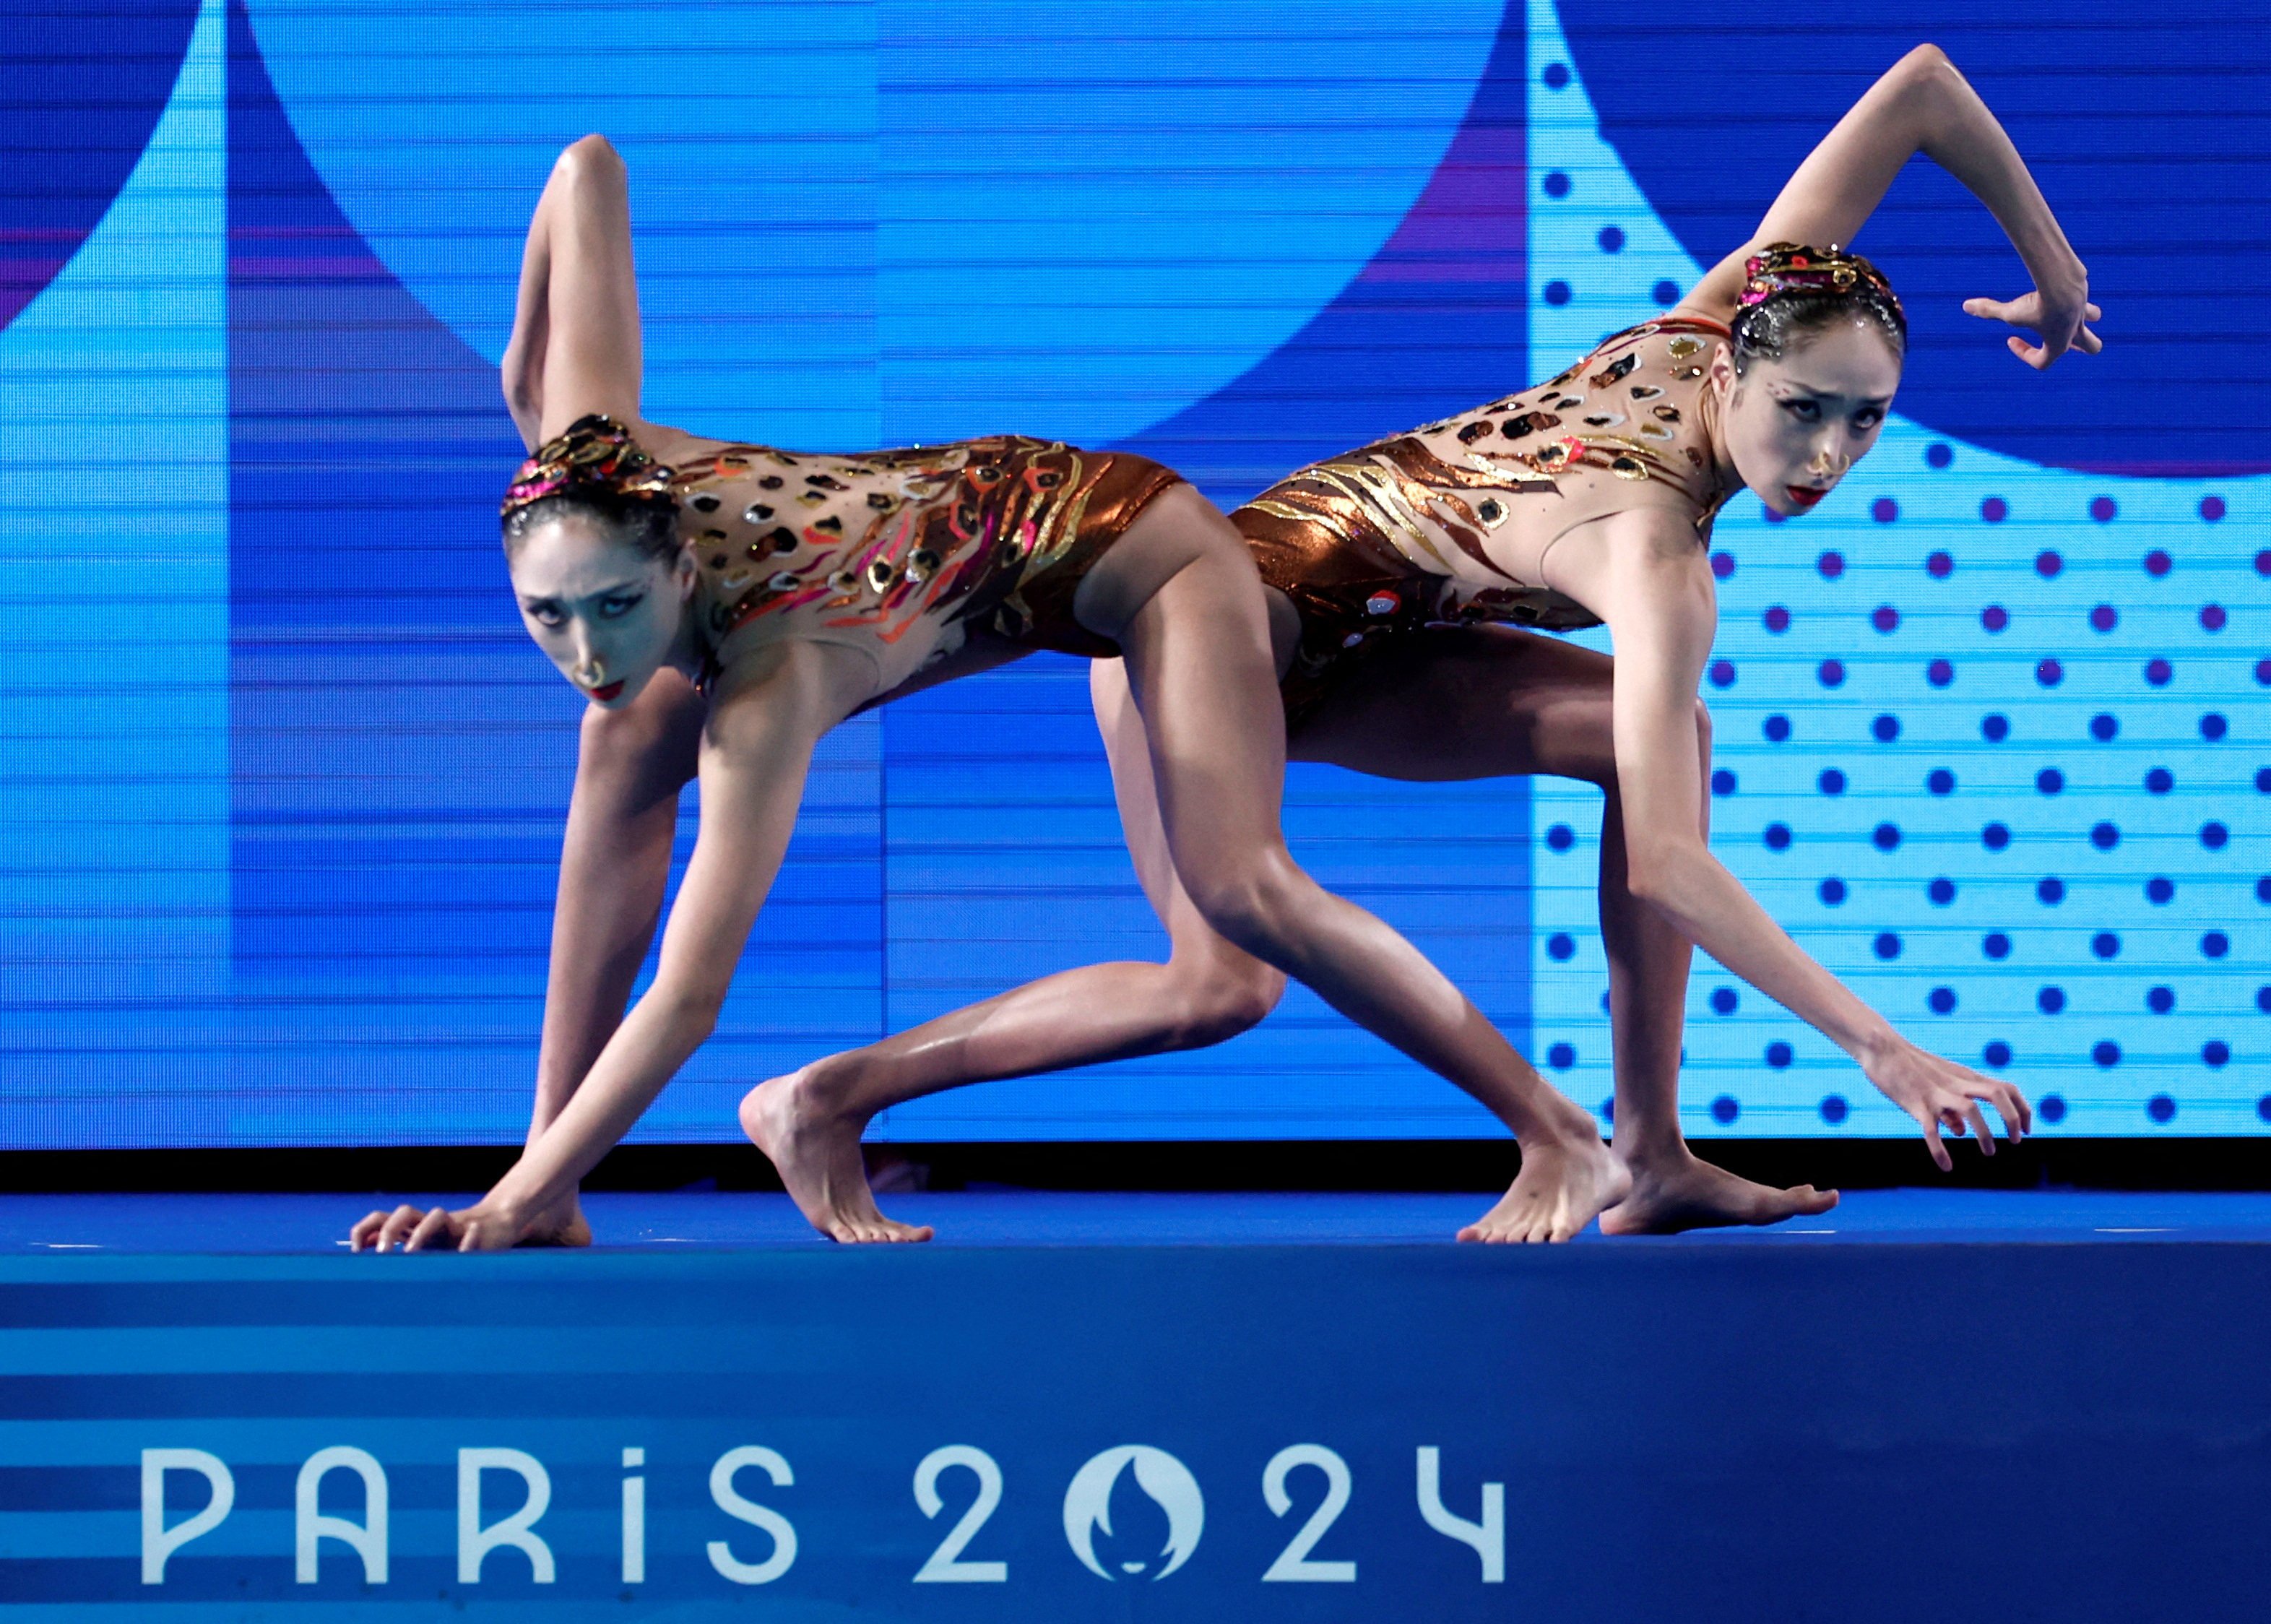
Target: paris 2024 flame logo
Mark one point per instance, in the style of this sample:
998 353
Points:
1113 1514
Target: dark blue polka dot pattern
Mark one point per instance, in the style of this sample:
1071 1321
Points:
1991 741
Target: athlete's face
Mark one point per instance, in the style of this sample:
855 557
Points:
1794 426
608 615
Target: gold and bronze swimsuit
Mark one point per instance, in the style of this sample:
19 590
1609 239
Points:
1420 529
904 555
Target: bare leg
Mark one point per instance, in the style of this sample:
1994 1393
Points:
1455 704
1489 702
1197 652
1210 733
809 1121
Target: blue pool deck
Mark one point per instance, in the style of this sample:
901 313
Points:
732 1220
1928 1404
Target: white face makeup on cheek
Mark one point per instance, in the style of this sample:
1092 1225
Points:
607 613
1795 426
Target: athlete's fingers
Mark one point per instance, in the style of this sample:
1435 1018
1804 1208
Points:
435 1226
2087 342
399 1223
366 1232
1977 1121
1940 1156
2034 357
2011 1106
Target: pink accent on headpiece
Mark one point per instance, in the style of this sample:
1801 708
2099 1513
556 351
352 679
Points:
1794 268
595 454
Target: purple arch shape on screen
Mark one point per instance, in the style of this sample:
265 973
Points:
1451 283
82 85
367 445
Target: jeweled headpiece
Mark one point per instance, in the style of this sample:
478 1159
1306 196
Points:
1794 268
593 455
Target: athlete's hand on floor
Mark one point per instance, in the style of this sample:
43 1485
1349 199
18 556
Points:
480 1227
2059 316
1942 1095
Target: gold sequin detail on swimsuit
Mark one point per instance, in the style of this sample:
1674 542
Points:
904 553
1400 534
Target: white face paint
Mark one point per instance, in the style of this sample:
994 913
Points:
1793 427
607 613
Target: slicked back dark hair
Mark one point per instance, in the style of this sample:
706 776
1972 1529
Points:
646 523
1787 322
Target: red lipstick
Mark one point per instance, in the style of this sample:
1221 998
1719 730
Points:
1804 496
605 694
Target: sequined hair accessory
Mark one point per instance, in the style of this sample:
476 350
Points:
1794 268
594 456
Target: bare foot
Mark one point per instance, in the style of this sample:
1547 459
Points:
563 1226
818 1153
1686 1192
1559 1191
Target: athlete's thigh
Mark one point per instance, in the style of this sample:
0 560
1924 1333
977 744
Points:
1177 528
1467 701
1128 749
1198 660
1136 791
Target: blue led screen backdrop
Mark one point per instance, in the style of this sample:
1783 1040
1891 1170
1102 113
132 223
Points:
285 781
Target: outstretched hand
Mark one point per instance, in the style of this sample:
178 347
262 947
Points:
477 1228
2060 319
1943 1096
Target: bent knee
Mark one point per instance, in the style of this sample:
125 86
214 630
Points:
1255 905
1224 1000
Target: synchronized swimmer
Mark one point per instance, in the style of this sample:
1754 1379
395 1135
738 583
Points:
724 605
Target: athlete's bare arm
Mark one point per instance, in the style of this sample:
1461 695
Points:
574 344
575 348
1923 105
755 748
1643 568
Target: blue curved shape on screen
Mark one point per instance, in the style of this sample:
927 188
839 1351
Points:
369 442
872 224
1711 118
1448 291
400 757
82 83
367 445
114 562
